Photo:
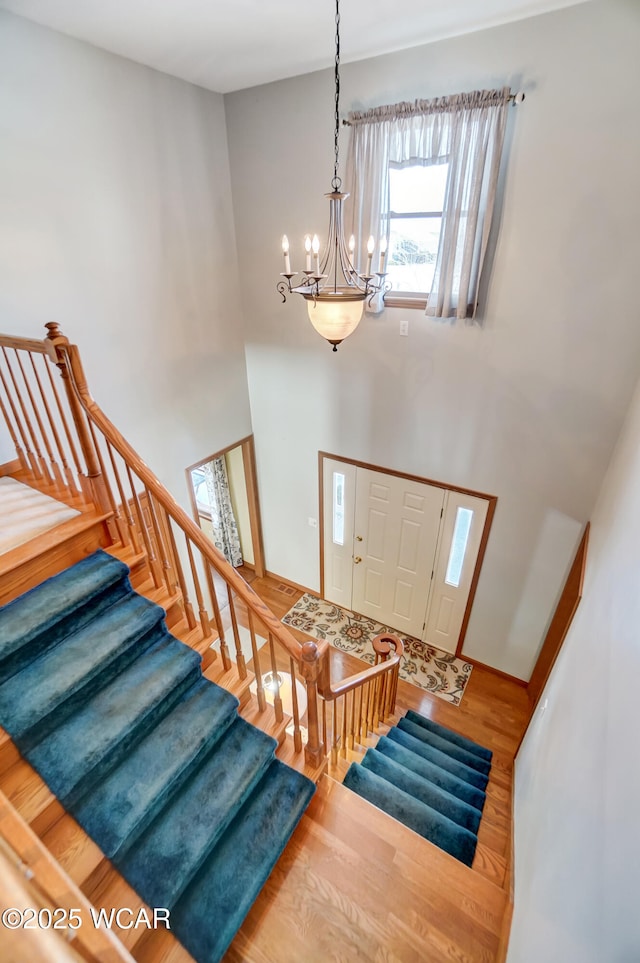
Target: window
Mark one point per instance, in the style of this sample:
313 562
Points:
428 172
458 549
203 498
338 508
416 200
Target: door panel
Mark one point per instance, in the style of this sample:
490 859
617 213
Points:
398 521
462 530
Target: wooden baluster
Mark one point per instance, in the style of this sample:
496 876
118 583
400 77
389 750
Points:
202 612
30 460
335 741
277 701
71 481
169 577
365 714
142 525
394 694
66 472
51 472
186 602
310 668
376 703
352 720
14 438
257 670
124 519
324 727
112 523
240 662
343 736
56 470
297 735
383 697
371 706
359 714
72 373
38 465
224 648
390 682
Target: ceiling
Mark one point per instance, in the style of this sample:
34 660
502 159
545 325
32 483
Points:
241 43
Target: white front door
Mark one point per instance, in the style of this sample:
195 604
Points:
395 537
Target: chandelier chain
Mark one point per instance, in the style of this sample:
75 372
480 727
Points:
336 182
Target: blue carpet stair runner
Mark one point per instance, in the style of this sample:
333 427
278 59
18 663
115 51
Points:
186 798
429 778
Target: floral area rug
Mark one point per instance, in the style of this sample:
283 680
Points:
440 673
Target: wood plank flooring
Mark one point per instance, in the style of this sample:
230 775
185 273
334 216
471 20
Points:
355 885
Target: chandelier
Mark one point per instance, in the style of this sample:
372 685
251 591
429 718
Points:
330 284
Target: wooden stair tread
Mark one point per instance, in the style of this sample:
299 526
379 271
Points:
286 753
265 719
112 890
64 495
37 546
160 595
160 946
30 795
127 554
73 849
229 680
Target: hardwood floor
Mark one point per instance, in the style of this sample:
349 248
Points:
355 885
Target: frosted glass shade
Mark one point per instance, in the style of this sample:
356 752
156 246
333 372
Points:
335 316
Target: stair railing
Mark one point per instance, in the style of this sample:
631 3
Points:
356 706
66 445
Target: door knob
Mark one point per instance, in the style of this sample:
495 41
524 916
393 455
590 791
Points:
357 560
358 538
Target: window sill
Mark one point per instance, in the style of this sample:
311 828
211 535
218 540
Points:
408 301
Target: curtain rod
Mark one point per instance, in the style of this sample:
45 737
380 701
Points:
515 99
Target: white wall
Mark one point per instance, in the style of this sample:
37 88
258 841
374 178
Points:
577 789
528 406
116 221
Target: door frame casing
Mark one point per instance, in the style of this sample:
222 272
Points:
492 501
250 477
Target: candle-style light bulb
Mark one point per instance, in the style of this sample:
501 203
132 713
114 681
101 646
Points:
370 246
307 248
383 254
315 246
285 251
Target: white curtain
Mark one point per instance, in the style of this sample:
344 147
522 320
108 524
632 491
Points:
223 520
467 132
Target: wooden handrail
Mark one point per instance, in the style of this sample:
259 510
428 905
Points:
330 692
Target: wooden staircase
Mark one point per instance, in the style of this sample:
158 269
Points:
29 809
70 870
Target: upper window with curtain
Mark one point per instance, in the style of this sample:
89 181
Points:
424 177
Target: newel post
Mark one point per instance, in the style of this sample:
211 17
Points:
310 670
67 359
